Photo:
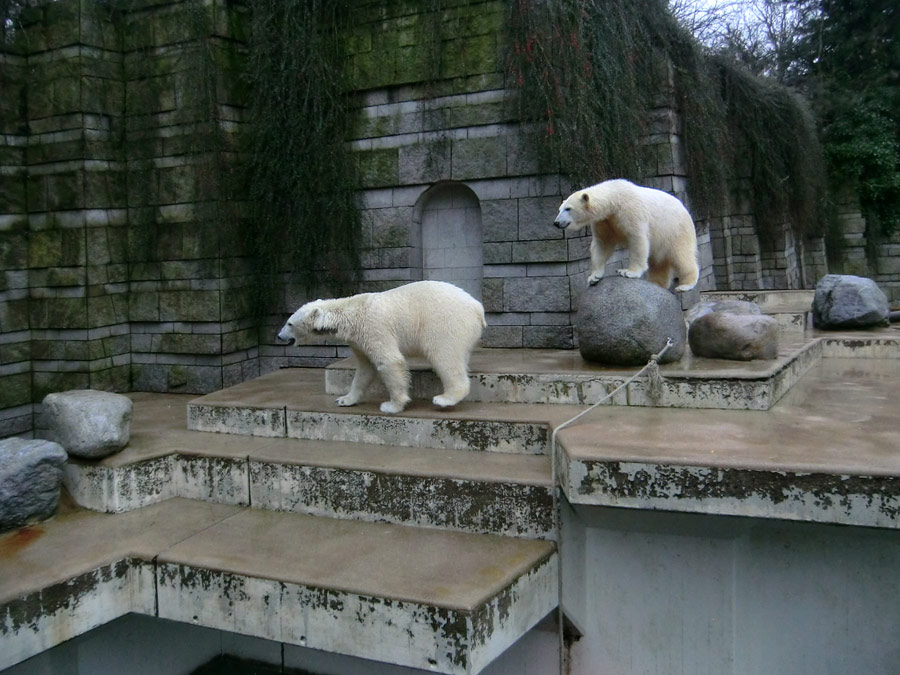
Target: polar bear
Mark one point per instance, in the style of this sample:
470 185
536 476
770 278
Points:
654 225
433 319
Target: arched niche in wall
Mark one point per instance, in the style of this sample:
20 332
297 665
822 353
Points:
450 238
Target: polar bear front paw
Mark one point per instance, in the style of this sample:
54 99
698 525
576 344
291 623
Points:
444 401
682 289
631 274
594 278
346 401
390 408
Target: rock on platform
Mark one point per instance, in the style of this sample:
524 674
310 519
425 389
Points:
625 321
847 301
88 423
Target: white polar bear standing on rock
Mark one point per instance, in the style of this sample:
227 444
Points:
426 318
657 229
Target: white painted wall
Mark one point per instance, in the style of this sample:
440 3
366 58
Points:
141 645
678 594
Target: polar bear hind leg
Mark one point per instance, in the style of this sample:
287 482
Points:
660 273
449 358
455 379
686 269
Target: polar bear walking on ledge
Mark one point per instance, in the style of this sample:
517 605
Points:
654 225
426 318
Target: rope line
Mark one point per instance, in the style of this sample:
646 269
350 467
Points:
653 383
654 390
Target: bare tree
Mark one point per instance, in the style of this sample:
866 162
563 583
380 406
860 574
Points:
762 34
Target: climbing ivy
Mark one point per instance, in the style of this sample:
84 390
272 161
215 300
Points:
588 73
302 178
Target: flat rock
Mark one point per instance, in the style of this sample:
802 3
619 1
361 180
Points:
624 321
88 423
847 301
30 476
737 337
731 306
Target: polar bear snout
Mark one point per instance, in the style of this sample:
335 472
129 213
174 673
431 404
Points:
285 335
564 218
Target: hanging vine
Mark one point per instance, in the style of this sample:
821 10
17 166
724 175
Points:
302 178
588 73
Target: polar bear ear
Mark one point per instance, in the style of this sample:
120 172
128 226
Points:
585 198
319 318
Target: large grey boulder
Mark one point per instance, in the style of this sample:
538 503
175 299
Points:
624 321
738 337
847 301
88 423
30 476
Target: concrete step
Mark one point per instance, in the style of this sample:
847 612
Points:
447 602
826 453
562 377
290 403
466 491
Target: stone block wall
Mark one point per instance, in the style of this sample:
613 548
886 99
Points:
435 114
112 277
189 310
15 337
122 264
863 252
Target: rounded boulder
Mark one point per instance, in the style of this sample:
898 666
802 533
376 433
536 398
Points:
623 322
737 337
30 476
88 423
848 301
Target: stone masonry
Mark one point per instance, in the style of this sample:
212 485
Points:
120 124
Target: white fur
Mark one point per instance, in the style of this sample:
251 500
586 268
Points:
426 318
654 225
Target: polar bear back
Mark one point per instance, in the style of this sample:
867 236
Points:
424 315
636 203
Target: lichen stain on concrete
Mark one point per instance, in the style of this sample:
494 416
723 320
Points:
453 626
230 585
476 435
148 479
215 475
30 609
469 505
669 482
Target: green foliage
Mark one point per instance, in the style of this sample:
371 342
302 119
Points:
302 177
589 72
861 150
584 79
775 131
851 58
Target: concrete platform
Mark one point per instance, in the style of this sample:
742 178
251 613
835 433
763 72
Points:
446 595
445 601
563 377
828 452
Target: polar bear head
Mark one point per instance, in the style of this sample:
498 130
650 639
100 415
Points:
579 210
313 317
